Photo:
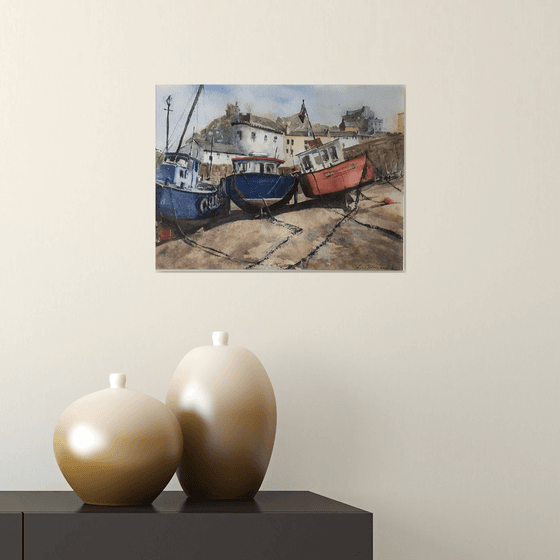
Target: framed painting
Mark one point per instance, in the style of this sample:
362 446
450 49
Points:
280 177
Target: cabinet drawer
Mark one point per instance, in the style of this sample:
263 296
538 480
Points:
201 536
11 526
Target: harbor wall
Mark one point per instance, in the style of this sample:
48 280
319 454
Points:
217 171
386 155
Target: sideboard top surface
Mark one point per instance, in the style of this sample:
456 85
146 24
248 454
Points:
176 502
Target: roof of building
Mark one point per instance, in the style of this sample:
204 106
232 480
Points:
258 122
219 147
321 129
295 127
207 146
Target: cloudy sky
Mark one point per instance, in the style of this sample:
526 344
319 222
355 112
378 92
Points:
325 104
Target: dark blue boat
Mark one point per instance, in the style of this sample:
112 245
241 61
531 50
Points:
256 185
181 197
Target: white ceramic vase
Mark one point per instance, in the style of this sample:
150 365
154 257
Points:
225 404
118 447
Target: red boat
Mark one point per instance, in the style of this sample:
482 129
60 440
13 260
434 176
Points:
324 170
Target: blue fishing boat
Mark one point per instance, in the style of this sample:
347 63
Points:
182 198
256 185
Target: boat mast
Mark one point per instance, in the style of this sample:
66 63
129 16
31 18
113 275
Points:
168 109
189 117
211 158
304 110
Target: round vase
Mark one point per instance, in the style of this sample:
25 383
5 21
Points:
118 447
225 404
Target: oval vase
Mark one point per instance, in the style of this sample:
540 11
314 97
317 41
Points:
118 447
225 404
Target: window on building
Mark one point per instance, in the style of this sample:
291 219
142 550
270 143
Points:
317 159
239 135
265 137
292 141
334 155
292 152
287 151
274 139
253 136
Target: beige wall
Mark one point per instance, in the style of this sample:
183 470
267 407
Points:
428 397
400 123
297 147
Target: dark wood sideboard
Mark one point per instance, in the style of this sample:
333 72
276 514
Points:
275 525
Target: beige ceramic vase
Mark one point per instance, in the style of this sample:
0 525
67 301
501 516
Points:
225 404
118 447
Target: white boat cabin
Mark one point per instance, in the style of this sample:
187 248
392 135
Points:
184 160
180 170
321 157
263 165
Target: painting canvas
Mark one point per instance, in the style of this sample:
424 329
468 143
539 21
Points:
280 177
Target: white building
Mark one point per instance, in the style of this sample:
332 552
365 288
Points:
347 138
257 135
220 153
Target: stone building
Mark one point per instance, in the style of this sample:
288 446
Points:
257 135
361 120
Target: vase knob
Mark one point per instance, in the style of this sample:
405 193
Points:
220 338
117 381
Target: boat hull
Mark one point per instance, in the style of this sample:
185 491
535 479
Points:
179 206
253 192
345 176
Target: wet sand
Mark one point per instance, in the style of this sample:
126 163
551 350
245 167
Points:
314 234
